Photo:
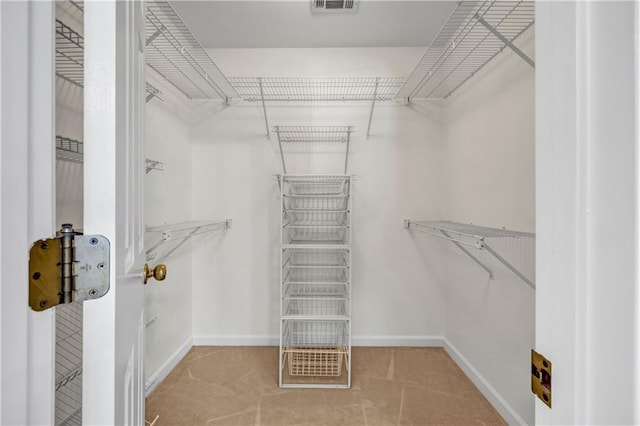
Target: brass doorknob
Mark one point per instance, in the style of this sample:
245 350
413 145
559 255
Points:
159 273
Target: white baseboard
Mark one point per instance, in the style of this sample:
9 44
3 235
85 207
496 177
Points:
498 402
236 340
161 373
397 341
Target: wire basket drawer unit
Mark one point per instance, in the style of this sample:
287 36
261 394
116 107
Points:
315 307
316 185
315 348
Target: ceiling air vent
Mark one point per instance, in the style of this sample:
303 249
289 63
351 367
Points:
334 5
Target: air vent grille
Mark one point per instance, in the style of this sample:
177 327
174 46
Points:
334 5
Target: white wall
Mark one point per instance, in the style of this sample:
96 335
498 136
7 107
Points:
396 296
488 177
168 201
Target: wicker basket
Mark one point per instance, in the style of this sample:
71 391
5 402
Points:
315 361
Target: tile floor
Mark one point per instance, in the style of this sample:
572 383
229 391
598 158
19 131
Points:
390 386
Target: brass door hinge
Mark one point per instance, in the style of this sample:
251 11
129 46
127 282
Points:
68 268
541 377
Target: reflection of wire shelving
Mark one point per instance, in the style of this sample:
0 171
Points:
152 92
475 32
317 89
69 149
164 240
462 236
68 384
174 53
69 54
314 134
153 165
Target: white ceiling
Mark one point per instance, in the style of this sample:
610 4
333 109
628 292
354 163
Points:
290 24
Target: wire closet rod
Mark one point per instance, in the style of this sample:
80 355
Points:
462 235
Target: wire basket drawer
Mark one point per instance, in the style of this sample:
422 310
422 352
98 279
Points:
314 217
315 276
319 333
310 258
330 235
316 185
316 202
314 307
298 290
318 362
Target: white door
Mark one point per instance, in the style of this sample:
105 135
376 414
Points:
26 207
113 383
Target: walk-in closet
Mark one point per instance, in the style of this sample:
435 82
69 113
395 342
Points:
345 188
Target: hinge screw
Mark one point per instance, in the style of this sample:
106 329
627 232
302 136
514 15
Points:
93 292
93 241
43 303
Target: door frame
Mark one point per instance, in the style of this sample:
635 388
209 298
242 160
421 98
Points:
27 207
587 210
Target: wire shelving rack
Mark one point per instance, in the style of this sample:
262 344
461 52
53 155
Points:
174 53
315 281
317 89
466 236
164 240
475 32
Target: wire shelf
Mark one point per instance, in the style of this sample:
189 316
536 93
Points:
463 235
315 333
161 241
69 54
300 134
314 307
316 89
316 362
175 54
315 276
465 44
301 290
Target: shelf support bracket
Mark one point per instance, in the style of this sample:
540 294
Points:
502 38
155 35
468 253
509 265
346 156
264 108
284 168
373 104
